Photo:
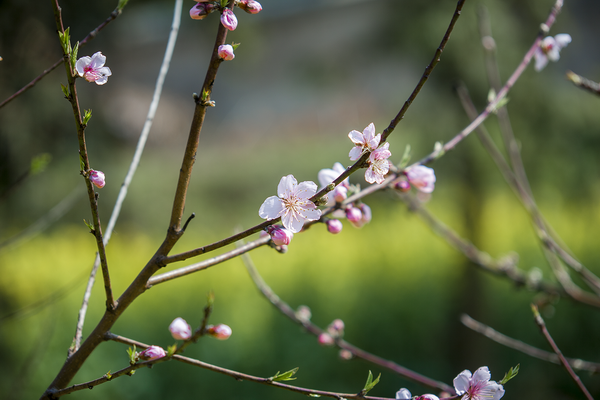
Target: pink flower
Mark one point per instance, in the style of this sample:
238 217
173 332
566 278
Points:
334 226
421 177
477 386
250 6
292 204
326 176
549 49
152 353
97 178
353 214
228 19
201 10
221 331
404 394
280 235
325 339
92 68
365 141
180 330
226 52
379 166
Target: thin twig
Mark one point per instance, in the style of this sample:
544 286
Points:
116 12
286 310
542 325
164 69
584 83
525 348
197 363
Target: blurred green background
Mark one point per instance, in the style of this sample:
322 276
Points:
306 73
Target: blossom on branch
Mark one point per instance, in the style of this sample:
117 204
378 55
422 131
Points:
327 176
404 394
229 20
92 68
97 178
279 235
421 177
221 331
292 204
549 49
477 386
365 141
226 52
152 353
201 10
180 329
379 165
250 6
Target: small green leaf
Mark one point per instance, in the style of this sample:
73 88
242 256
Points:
314 395
89 225
512 372
73 58
204 95
132 355
370 383
210 299
64 90
286 376
235 45
87 114
224 3
108 375
81 163
405 157
39 163
171 350
122 3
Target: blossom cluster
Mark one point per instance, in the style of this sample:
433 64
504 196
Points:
549 49
367 142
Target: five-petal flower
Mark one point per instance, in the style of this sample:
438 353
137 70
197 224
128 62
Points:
549 49
365 141
292 204
379 165
93 69
477 386
421 177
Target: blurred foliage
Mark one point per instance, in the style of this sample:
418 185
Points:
306 73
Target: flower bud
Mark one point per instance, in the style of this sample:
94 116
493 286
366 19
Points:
250 6
334 226
353 214
402 186
201 10
303 313
280 235
336 328
97 178
366 214
180 330
152 353
345 354
221 331
340 193
325 339
229 20
421 177
226 52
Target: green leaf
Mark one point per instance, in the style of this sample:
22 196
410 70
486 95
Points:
171 350
286 376
64 90
122 3
510 374
87 114
73 58
108 375
204 95
405 157
39 163
81 163
224 3
132 355
235 45
370 383
89 225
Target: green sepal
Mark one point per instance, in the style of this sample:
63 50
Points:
405 157
512 372
64 90
370 383
39 163
132 355
286 376
171 350
87 114
235 45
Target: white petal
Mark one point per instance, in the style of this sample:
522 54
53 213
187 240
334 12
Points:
81 64
554 54
369 132
102 80
105 71
540 60
403 394
305 190
326 176
356 137
271 208
482 374
339 168
562 39
461 382
311 214
286 186
355 153
98 60
374 142
370 175
292 222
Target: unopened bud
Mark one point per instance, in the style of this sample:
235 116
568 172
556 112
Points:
334 226
180 330
221 331
280 235
97 178
336 328
325 339
228 19
345 354
353 214
250 6
226 52
201 10
152 353
402 185
303 313
340 193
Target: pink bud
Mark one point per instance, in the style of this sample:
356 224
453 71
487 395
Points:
280 235
325 339
228 19
421 177
303 313
340 193
180 330
402 186
345 354
250 6
152 353
226 52
97 178
336 328
201 10
366 214
334 226
221 331
353 214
